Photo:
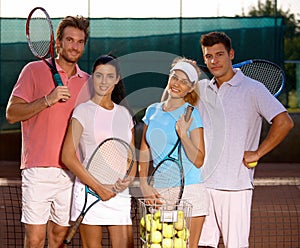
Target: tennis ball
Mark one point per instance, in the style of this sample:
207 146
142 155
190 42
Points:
167 243
183 234
252 164
148 237
142 222
145 219
179 243
145 245
151 226
143 233
156 215
155 246
168 231
180 214
180 224
156 237
159 224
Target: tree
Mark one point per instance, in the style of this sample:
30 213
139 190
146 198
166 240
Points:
291 35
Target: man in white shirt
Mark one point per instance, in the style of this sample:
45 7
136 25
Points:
232 107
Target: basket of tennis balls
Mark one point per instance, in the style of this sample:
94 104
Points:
165 224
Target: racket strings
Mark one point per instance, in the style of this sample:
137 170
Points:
110 162
168 179
40 32
266 73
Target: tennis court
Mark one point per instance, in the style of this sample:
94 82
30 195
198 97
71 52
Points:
275 211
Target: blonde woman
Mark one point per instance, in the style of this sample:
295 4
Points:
163 124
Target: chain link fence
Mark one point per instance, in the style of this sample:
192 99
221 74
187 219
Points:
260 37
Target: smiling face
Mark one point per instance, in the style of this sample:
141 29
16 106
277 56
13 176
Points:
71 47
179 84
105 78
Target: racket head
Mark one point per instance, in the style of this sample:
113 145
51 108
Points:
168 179
111 160
266 72
39 33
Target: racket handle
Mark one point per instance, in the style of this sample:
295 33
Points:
188 112
57 79
73 230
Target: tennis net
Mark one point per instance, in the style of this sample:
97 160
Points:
275 215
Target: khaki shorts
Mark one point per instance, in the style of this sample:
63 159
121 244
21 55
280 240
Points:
46 195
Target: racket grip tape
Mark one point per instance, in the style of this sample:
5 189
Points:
57 79
73 230
188 113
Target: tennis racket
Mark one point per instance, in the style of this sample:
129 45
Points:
168 175
40 38
111 160
264 71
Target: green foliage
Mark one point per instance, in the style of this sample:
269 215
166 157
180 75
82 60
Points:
291 35
269 9
292 52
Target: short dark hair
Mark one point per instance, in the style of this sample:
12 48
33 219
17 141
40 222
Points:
79 22
213 38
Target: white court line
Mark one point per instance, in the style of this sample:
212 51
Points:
267 181
276 181
9 182
262 181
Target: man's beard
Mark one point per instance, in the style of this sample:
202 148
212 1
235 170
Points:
70 60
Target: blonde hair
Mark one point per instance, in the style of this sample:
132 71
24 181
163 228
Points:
192 97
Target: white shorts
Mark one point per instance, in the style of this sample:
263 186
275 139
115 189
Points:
115 211
46 195
229 216
195 194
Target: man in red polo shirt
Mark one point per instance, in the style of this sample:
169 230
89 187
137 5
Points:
44 111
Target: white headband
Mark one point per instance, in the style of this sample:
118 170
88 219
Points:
188 69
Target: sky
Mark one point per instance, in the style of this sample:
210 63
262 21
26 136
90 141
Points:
139 8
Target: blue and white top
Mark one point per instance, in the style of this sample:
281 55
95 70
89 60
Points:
161 136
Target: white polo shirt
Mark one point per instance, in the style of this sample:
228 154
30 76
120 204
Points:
232 119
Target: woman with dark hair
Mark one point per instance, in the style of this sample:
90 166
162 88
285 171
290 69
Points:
104 116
